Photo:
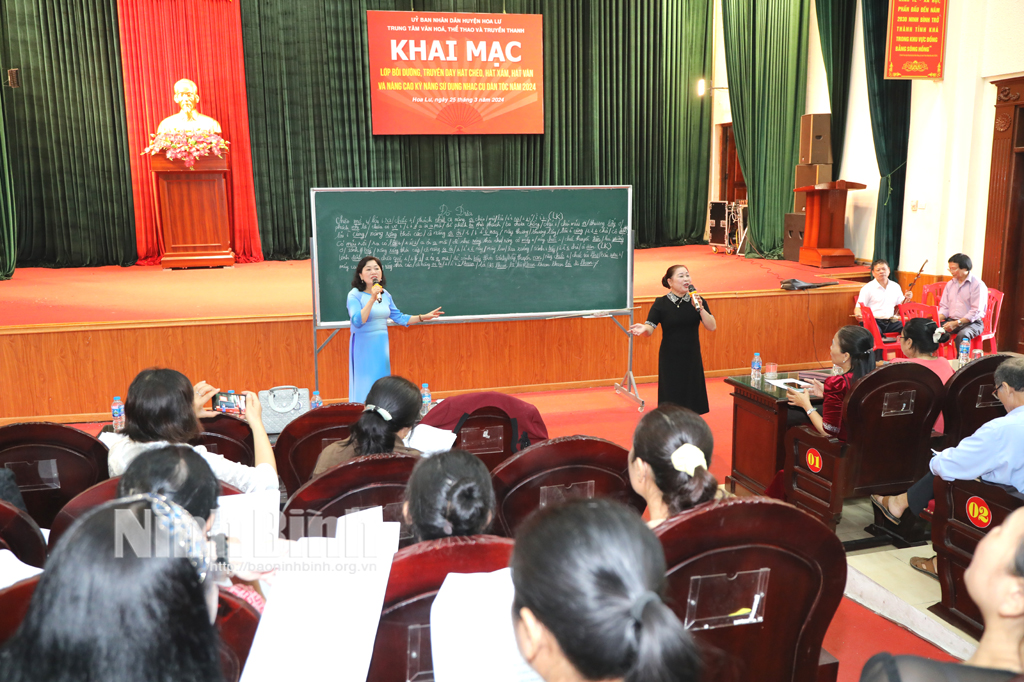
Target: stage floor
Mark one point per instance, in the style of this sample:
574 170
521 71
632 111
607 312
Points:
43 296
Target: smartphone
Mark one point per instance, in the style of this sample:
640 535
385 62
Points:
229 403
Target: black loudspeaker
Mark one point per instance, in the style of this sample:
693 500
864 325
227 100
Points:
816 138
793 236
718 216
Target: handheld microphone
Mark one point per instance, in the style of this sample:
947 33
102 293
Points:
379 296
693 299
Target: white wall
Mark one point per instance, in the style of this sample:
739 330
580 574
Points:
950 143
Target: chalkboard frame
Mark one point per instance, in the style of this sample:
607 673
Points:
626 309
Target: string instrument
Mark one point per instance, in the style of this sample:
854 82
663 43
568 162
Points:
911 287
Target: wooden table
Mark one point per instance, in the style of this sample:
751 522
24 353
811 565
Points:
759 416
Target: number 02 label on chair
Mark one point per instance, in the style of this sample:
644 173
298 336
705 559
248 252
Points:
978 512
813 460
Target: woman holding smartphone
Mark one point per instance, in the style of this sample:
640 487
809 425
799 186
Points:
369 308
164 408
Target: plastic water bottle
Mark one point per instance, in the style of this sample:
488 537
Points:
755 368
425 393
965 352
315 401
117 412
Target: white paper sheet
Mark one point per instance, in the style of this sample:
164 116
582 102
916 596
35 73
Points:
252 523
12 569
471 630
787 383
321 620
430 440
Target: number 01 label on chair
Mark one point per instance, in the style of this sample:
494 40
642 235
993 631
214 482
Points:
813 460
978 512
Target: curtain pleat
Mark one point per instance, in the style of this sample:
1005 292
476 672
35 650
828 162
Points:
836 19
8 217
163 41
889 105
620 108
65 127
766 58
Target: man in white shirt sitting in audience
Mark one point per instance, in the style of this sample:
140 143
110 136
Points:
882 295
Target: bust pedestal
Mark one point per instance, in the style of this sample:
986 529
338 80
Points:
193 213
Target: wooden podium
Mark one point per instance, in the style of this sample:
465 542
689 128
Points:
193 212
824 244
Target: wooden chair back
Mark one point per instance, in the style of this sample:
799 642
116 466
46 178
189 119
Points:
489 434
104 491
20 534
361 482
721 555
965 511
889 416
306 436
236 623
417 573
557 469
52 463
885 344
228 436
990 323
969 402
933 293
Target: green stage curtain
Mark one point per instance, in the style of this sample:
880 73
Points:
889 104
66 130
836 30
8 224
620 108
766 58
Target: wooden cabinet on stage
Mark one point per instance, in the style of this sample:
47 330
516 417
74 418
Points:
193 212
824 245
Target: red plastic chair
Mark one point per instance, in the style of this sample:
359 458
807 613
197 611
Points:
726 545
882 342
990 323
104 491
417 573
20 534
305 437
236 623
933 293
52 463
361 482
560 468
909 311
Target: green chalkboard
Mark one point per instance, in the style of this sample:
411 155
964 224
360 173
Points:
480 253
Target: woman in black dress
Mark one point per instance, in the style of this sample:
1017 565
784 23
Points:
680 367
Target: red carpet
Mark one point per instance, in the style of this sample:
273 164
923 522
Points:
113 294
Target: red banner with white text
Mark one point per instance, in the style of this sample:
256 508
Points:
451 73
915 45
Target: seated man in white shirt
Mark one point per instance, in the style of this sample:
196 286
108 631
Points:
882 295
994 453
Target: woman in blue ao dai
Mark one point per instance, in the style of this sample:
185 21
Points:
369 308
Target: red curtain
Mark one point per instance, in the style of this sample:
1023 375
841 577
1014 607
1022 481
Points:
163 41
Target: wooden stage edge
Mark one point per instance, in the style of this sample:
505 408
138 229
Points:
70 372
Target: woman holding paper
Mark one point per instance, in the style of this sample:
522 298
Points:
852 350
680 367
392 409
369 308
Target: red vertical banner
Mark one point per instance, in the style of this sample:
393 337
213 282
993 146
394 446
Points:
451 73
915 44
163 41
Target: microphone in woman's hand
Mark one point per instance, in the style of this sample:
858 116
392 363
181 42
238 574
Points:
379 295
693 299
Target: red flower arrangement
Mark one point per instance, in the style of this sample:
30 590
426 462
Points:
186 145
